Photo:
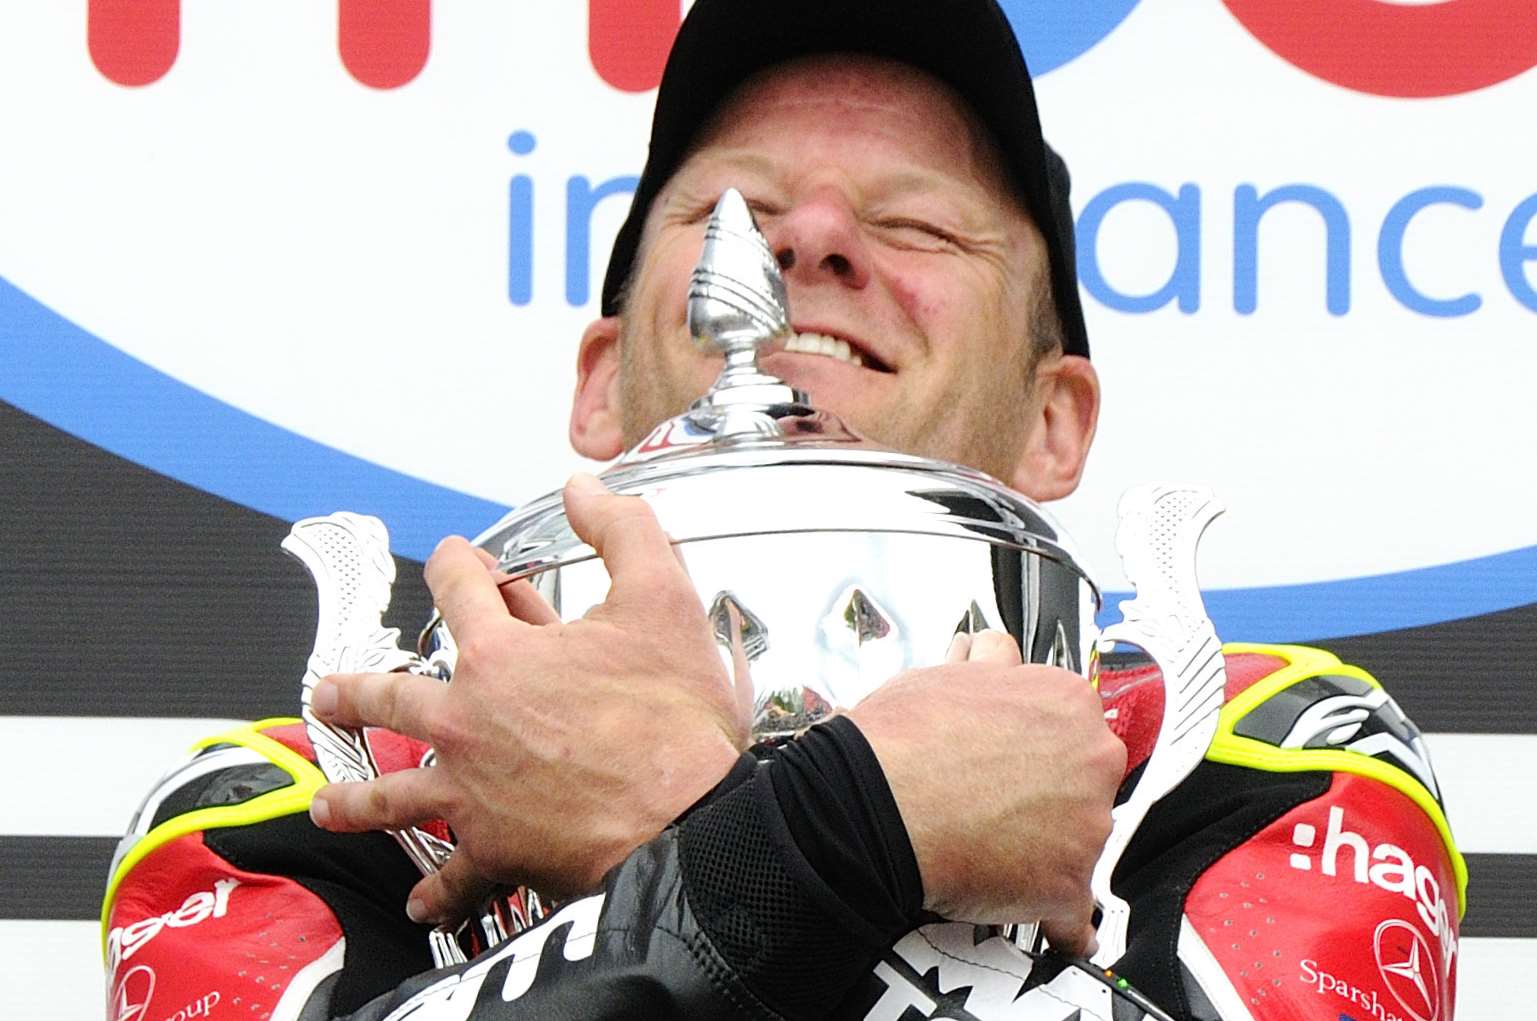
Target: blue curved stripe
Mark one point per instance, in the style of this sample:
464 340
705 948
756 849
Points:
1363 606
58 372
54 370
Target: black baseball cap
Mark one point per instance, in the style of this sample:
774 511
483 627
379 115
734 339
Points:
967 44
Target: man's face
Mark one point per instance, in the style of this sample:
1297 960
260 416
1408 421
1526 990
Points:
914 277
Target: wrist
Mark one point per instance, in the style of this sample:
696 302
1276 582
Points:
908 766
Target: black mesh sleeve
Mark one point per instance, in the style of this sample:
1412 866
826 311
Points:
803 874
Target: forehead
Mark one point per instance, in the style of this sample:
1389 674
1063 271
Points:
847 77
913 114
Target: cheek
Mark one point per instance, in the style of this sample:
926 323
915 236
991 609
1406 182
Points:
923 297
668 301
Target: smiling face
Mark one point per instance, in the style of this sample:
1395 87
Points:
916 281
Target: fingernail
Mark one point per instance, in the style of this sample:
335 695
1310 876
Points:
959 646
320 812
584 482
416 910
985 643
323 698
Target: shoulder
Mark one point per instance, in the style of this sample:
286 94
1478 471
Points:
170 896
249 775
1287 709
243 776
221 868
1305 868
1292 708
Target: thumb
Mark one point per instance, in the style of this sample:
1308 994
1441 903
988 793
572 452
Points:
995 647
1073 936
453 892
623 530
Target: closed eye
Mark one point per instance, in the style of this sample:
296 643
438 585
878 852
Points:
760 210
919 231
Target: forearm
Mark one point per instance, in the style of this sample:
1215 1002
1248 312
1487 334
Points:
633 950
791 868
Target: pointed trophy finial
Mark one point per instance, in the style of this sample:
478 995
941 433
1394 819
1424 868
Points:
736 297
737 306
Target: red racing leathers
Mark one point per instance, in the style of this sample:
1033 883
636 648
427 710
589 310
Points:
1303 871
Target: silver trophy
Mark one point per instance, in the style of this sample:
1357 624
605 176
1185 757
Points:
828 564
839 563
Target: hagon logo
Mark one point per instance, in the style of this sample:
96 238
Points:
1396 49
1385 866
383 43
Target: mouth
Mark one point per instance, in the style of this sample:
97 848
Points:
828 345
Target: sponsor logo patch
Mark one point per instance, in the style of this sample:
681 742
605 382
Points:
454 997
1408 968
200 1007
952 970
1326 983
132 993
126 940
1385 866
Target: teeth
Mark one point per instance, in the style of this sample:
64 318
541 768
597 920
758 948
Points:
821 344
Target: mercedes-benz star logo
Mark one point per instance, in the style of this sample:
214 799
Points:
131 995
1408 968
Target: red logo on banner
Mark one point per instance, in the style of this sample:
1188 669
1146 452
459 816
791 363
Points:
133 42
1390 49
628 40
383 43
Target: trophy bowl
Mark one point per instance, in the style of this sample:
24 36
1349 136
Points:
828 567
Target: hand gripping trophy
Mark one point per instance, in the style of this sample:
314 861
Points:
827 564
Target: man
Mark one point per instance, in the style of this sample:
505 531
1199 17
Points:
893 157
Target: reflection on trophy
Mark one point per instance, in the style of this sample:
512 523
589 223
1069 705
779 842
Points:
827 565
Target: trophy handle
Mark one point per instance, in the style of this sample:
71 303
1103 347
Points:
1159 533
348 556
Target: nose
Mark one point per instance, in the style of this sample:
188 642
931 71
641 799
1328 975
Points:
818 240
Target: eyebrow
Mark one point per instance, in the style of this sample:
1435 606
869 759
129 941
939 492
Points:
901 180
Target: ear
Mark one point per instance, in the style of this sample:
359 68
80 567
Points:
1064 412
597 418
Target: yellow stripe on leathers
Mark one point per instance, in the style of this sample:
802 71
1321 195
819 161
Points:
1302 663
289 800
